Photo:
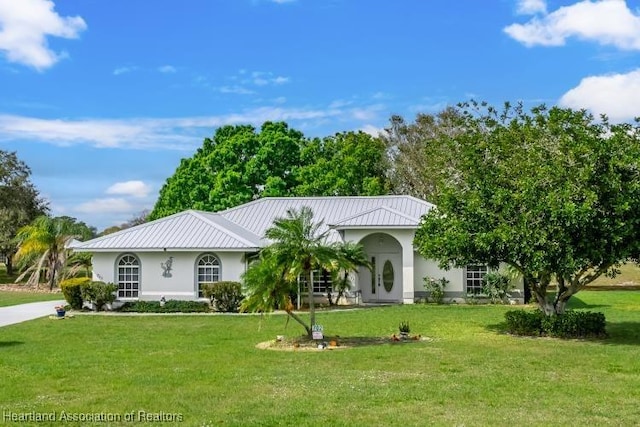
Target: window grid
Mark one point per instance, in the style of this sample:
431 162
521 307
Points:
208 271
128 277
321 280
475 274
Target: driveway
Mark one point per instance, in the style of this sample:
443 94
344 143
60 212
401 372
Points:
23 312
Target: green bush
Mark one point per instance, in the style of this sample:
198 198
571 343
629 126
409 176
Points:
520 322
72 291
171 306
496 286
435 287
224 296
571 324
99 294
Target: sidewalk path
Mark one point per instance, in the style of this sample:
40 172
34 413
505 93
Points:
23 312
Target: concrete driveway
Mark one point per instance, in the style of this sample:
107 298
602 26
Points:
23 312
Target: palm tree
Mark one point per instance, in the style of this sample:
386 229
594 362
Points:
267 288
42 247
298 247
351 256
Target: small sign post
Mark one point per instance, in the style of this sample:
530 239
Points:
316 332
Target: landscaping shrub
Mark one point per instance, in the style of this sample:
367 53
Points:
99 294
171 306
571 324
520 322
72 291
435 287
496 287
224 296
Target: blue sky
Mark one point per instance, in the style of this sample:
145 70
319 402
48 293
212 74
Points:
103 98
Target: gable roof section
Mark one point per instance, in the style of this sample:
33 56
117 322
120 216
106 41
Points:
186 230
258 215
382 216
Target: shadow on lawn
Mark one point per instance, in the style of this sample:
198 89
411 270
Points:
9 343
576 303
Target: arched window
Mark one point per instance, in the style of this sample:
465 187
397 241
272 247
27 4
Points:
128 274
207 271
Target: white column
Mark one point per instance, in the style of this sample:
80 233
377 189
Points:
408 290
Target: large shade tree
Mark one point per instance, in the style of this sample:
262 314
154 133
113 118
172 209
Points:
240 164
237 165
20 203
43 247
298 247
553 193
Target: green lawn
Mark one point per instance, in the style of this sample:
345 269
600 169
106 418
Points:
207 369
12 298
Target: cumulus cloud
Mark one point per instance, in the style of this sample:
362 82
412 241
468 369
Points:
531 7
372 130
607 22
25 26
616 95
108 205
130 188
237 89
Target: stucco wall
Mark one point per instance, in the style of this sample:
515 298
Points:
182 283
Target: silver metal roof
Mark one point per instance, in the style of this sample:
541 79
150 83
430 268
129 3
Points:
258 215
243 227
182 231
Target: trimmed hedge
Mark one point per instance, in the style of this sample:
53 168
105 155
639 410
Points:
72 291
571 324
224 296
171 306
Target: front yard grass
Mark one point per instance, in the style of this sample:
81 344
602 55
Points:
8 298
207 369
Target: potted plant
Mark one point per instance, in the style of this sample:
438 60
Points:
60 310
404 329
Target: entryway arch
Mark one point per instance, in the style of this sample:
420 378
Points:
384 282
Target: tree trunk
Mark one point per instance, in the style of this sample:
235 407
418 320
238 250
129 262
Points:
312 303
299 320
9 264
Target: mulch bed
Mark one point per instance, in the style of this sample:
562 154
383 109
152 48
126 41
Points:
304 343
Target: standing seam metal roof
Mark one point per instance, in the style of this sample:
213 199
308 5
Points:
243 227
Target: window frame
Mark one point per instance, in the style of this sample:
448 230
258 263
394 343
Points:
216 273
121 271
477 272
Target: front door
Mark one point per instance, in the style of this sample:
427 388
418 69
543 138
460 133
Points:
383 283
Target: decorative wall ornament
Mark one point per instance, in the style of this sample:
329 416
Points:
166 267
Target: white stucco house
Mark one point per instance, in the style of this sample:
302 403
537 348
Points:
173 256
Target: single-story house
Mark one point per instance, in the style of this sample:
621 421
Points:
173 256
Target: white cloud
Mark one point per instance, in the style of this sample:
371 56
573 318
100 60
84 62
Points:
182 133
130 188
616 95
25 26
531 7
108 205
167 69
261 78
240 90
123 70
607 22
372 130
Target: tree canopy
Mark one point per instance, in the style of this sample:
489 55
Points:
240 164
551 192
20 202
